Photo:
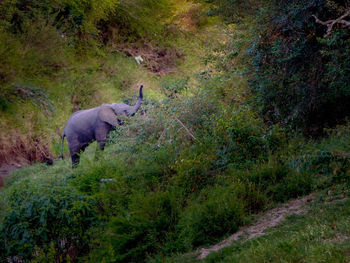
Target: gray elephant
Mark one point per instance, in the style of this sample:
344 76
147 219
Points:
86 126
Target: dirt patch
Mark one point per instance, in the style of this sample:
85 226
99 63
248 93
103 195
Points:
158 60
19 151
267 220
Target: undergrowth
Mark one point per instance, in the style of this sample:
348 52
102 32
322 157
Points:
154 196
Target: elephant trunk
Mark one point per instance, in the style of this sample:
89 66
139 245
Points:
138 103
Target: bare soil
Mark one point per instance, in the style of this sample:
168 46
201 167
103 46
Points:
18 151
267 220
158 60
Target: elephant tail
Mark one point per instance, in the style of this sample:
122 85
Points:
140 93
138 103
62 142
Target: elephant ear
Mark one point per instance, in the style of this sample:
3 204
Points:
106 114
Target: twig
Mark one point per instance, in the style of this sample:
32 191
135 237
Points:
188 131
331 23
160 138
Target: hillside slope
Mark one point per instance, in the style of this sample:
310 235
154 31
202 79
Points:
234 125
58 74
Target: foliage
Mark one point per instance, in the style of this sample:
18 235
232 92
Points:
199 160
231 11
49 212
157 197
133 19
217 212
172 87
69 16
300 79
278 182
239 138
141 229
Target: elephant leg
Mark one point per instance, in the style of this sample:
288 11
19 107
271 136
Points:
101 145
101 135
75 160
75 151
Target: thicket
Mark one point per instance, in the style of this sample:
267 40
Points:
300 77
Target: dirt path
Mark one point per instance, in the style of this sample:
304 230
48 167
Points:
269 219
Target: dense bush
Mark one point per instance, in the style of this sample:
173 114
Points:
71 17
231 11
278 182
300 78
166 195
37 216
217 212
164 198
140 229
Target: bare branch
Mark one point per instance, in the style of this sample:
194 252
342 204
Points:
160 138
331 23
188 131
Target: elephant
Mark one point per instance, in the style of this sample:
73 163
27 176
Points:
86 126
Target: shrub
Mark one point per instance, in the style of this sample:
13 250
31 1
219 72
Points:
138 230
240 138
217 211
231 10
194 172
278 182
46 213
332 167
70 16
298 75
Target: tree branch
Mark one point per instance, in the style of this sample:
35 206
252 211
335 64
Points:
188 131
160 138
331 23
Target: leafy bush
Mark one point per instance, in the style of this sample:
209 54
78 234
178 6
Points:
69 16
231 10
300 78
46 213
217 212
138 230
239 138
278 181
172 87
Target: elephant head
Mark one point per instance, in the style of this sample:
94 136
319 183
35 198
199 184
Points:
121 109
